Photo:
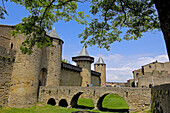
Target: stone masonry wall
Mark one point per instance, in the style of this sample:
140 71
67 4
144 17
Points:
6 46
6 66
25 75
95 80
136 98
70 78
161 99
157 79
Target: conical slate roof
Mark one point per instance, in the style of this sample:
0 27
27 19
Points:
83 52
100 61
53 34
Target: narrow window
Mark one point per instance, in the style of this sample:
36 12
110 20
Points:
126 94
12 45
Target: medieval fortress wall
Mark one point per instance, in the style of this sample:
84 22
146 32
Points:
7 58
22 75
27 79
154 78
152 74
6 65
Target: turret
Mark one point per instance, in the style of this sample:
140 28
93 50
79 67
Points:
100 67
84 61
54 56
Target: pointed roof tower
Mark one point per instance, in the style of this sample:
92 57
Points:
83 56
53 34
83 52
100 61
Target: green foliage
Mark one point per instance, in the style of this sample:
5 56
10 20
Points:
108 19
3 10
65 61
113 16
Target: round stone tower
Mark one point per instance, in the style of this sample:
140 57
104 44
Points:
27 69
84 61
54 57
25 74
100 67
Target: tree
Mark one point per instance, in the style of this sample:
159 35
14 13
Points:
43 14
136 16
106 24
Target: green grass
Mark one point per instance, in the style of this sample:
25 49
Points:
38 109
85 102
113 101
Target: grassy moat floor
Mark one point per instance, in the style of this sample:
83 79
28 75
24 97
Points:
111 101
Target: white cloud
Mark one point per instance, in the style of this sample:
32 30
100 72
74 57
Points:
119 68
113 58
162 58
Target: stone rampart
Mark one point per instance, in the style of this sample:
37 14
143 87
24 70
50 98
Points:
161 99
95 80
154 78
70 78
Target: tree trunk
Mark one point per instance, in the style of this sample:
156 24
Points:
163 8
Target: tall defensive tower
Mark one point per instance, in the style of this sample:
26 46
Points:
54 59
100 66
84 61
24 80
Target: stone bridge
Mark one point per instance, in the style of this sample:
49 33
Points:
136 98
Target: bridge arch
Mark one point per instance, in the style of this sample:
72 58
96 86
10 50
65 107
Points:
63 103
103 95
51 101
74 99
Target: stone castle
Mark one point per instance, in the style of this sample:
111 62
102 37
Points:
21 75
152 74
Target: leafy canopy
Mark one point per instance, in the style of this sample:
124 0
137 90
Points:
113 16
108 19
43 14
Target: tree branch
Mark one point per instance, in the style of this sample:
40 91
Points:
123 10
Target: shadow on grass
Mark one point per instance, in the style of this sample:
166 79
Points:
115 110
83 107
102 109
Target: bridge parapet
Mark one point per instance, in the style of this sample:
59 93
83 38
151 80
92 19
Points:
136 98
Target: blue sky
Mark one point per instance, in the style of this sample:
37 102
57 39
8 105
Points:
121 60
